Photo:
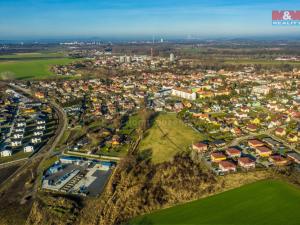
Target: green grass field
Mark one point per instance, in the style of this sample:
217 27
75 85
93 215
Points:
269 202
31 65
131 124
33 55
168 136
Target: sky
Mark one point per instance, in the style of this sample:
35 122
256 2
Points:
142 18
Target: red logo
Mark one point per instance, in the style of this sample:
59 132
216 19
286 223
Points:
286 15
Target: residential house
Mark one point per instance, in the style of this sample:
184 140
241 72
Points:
21 124
219 143
261 90
217 157
292 138
40 122
18 135
203 116
115 140
37 133
200 147
28 148
40 127
278 160
6 152
246 163
241 115
280 132
255 143
274 123
245 109
36 140
16 143
227 166
205 94
263 151
29 110
256 121
19 130
236 131
251 127
40 95
233 152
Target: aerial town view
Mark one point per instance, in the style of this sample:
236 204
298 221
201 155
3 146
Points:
155 112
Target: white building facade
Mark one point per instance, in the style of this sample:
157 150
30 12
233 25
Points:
186 94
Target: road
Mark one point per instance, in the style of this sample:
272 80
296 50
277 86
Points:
104 157
268 132
236 141
45 151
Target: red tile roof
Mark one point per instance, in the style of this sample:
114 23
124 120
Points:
233 151
252 126
200 145
245 160
263 149
279 130
255 142
227 164
218 155
278 158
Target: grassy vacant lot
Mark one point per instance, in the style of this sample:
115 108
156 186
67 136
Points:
7 172
267 202
19 155
30 66
167 136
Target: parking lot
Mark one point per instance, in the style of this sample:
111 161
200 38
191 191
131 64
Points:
77 176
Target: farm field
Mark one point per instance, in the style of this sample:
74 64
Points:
268 202
33 55
261 61
30 66
168 136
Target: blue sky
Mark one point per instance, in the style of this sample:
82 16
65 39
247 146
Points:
162 18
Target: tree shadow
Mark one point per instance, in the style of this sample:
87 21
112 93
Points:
152 119
145 154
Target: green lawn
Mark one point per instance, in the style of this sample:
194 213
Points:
269 202
64 138
30 66
168 136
